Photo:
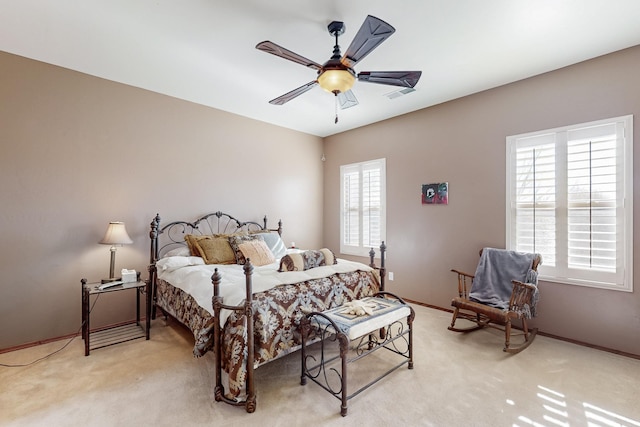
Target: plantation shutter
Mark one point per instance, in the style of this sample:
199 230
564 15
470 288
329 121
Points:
592 198
362 206
351 206
371 204
535 197
566 192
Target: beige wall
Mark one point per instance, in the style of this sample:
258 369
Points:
78 152
463 142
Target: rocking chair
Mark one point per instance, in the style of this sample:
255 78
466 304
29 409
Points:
504 288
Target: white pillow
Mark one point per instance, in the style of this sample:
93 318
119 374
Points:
181 251
171 263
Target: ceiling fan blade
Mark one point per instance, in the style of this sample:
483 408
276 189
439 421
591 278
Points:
294 93
280 51
394 78
372 32
347 100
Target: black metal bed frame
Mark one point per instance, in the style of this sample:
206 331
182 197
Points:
216 223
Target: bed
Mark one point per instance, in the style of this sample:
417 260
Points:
223 301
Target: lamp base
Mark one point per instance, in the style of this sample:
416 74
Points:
109 280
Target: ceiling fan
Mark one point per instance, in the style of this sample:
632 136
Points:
337 74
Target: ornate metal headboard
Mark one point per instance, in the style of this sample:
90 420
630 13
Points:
171 236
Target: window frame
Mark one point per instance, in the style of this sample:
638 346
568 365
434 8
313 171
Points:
562 273
361 249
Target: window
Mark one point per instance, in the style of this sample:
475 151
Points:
362 207
569 198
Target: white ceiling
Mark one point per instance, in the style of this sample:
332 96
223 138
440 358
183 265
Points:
204 50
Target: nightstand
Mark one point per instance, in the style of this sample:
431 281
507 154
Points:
119 333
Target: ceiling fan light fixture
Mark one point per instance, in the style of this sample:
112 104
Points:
337 75
336 81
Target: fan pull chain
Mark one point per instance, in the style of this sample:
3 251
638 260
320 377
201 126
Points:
336 108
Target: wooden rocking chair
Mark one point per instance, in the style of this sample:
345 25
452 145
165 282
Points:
499 293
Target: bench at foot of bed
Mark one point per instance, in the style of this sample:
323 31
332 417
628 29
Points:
373 323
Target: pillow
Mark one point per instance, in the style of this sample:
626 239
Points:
227 235
235 241
173 263
329 256
275 244
191 240
306 260
257 251
181 251
214 250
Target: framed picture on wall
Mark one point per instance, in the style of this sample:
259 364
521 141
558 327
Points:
435 194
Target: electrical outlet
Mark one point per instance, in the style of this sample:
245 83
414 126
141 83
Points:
391 275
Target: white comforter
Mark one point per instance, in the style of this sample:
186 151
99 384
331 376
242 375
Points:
194 277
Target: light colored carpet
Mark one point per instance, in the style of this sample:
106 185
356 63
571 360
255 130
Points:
458 380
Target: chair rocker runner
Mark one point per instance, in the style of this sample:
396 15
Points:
503 289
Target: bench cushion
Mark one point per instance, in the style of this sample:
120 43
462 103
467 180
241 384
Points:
385 312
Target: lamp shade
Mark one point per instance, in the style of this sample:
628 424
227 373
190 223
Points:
116 234
338 80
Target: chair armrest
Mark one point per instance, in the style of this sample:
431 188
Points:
462 273
522 297
463 279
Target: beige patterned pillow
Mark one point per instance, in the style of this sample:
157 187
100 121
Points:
236 241
214 250
306 260
257 251
191 243
329 256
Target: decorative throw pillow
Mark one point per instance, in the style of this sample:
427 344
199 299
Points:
227 235
257 251
191 240
329 256
274 242
292 262
278 248
236 241
214 250
306 260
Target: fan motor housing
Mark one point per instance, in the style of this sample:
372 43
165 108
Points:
336 28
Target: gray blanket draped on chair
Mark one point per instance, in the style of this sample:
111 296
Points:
496 269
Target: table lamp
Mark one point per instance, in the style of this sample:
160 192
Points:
116 235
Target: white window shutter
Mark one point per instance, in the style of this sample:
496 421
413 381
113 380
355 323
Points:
566 192
362 223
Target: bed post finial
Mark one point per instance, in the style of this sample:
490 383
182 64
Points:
372 262
153 235
216 278
155 223
248 271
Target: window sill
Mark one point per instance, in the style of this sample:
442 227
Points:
585 283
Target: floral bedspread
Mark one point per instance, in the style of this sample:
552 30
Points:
186 310
277 313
